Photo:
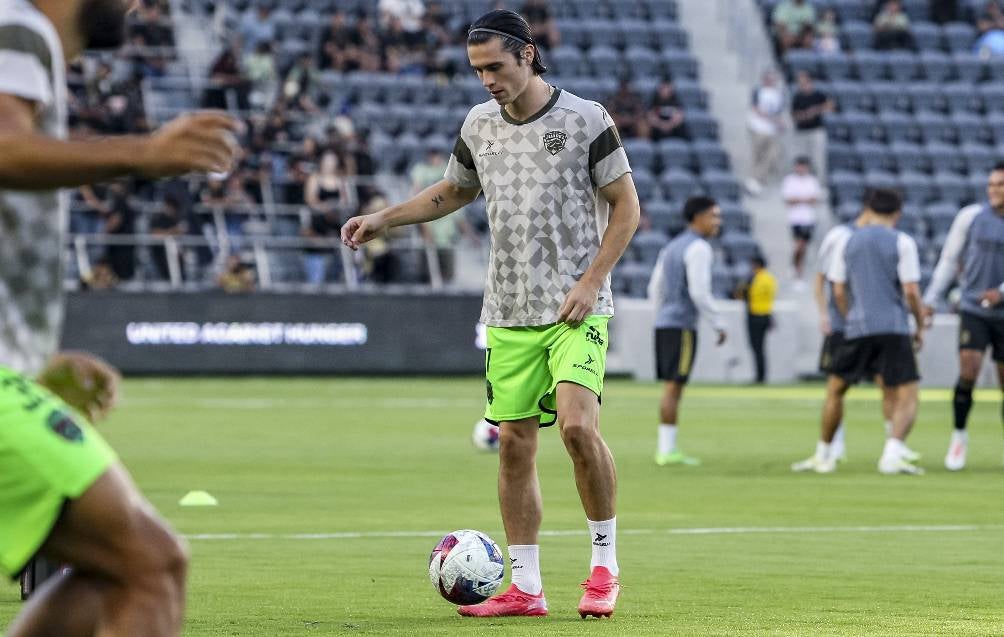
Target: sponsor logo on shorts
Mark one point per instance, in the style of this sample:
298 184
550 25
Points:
965 336
64 427
586 365
593 335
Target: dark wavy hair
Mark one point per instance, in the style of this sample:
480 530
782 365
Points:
884 201
512 29
697 205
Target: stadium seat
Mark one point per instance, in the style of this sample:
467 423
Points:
935 127
940 217
962 97
959 36
600 33
970 128
911 223
734 218
670 35
568 61
995 69
890 96
927 36
936 66
870 65
739 247
992 94
628 9
646 246
945 158
968 67
856 35
679 185
952 188
875 156
678 64
848 211
662 9
721 185
664 216
846 186
995 121
881 179
700 124
916 188
709 154
928 97
836 66
898 127
642 62
675 154
641 154
645 183
902 65
851 96
604 60
574 33
910 157
798 60
841 156
690 94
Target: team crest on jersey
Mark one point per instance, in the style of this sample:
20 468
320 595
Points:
554 141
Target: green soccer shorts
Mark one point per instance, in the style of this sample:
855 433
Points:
524 365
48 454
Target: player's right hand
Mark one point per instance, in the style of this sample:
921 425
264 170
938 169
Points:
359 230
824 325
918 340
722 337
84 382
928 313
195 142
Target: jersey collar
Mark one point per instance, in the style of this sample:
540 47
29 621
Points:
543 111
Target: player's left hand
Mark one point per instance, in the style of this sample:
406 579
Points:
84 382
579 303
991 297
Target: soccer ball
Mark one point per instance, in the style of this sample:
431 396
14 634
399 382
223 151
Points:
466 567
485 436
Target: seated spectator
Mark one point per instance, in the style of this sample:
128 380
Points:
665 115
892 27
339 48
542 26
237 276
226 83
793 21
257 26
120 222
368 45
327 194
169 222
993 15
826 38
399 54
260 71
407 13
991 41
628 111
298 85
151 25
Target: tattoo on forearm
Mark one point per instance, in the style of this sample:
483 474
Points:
438 200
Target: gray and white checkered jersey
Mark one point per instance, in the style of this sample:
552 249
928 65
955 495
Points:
31 223
540 178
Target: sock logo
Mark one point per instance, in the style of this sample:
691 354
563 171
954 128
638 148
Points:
598 540
512 564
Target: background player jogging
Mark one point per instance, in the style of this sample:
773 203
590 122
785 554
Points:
63 493
562 208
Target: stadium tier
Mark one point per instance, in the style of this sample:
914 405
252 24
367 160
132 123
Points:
308 76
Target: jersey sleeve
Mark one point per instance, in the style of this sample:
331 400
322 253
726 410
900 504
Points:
608 160
25 64
461 169
825 256
948 263
909 259
838 265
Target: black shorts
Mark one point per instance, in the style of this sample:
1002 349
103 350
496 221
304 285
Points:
889 356
976 332
675 349
803 232
831 344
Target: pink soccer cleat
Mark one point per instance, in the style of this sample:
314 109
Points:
512 603
602 590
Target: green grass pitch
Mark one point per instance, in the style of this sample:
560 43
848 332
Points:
386 465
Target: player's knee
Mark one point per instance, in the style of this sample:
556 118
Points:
578 432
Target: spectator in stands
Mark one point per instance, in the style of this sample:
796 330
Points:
991 28
90 219
793 21
628 111
443 233
808 105
542 25
400 55
765 123
261 74
168 222
892 27
826 38
801 193
298 85
226 83
368 45
407 13
327 195
435 25
102 277
665 116
257 26
151 25
237 276
120 222
992 15
339 45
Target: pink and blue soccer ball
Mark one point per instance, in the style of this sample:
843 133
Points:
485 436
466 567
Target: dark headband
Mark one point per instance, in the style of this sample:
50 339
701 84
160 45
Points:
497 32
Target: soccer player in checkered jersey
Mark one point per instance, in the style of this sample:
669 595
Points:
63 493
974 252
562 208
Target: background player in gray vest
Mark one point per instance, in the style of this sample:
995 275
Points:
63 494
681 289
974 252
872 273
562 208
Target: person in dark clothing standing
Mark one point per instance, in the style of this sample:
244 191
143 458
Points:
759 295
120 221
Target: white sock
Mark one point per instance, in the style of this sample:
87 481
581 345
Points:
894 448
888 429
960 435
524 566
667 438
838 435
604 539
822 450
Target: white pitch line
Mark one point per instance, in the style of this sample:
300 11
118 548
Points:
725 530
